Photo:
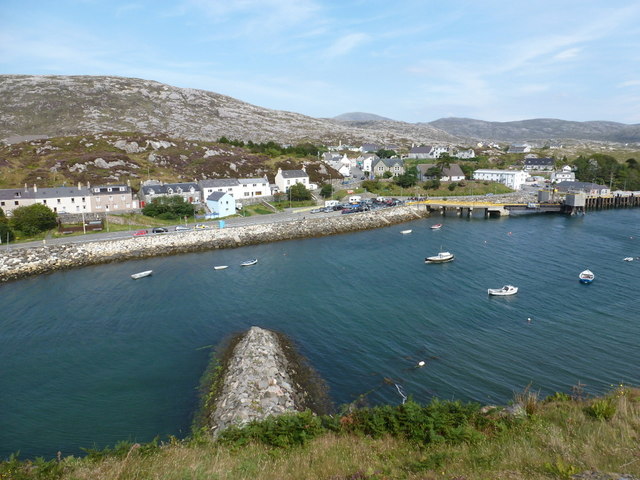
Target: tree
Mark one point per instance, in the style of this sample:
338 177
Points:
409 178
387 174
383 153
169 208
6 234
33 219
326 191
299 192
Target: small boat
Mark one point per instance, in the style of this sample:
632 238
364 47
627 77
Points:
220 267
628 259
248 263
405 232
442 257
586 276
506 290
138 275
437 226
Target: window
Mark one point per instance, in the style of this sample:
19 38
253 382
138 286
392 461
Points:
73 200
17 203
58 201
1 204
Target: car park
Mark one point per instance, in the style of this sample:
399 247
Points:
140 233
160 230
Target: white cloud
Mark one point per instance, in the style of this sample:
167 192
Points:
567 54
346 44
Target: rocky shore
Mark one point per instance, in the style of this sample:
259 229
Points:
20 263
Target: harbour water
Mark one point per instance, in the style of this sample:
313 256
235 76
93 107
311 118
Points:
89 357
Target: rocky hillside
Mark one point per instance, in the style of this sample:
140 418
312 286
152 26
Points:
545 129
134 157
80 105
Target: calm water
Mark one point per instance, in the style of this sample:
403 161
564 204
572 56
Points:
90 357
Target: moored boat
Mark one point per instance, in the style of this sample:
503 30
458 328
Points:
248 263
628 259
586 276
220 267
405 232
138 275
506 290
441 257
437 226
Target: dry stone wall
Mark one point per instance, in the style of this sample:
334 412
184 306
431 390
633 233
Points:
23 262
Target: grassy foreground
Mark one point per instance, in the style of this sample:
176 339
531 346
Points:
544 439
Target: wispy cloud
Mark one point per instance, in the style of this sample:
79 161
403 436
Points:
346 44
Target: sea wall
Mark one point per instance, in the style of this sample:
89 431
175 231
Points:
18 263
255 383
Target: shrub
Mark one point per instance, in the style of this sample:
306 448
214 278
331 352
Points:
602 409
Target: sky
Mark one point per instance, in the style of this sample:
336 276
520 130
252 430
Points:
408 60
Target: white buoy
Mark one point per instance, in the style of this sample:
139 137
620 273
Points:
421 363
529 319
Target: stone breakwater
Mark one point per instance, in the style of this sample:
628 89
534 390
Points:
19 263
256 383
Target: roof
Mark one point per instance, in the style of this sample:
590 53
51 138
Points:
60 192
421 149
245 181
566 185
539 161
452 170
160 189
219 182
15 193
216 196
293 173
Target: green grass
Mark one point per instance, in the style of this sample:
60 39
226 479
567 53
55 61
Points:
553 439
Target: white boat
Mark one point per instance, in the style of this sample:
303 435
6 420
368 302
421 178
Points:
220 267
437 226
138 275
586 276
628 259
442 257
506 290
405 232
248 263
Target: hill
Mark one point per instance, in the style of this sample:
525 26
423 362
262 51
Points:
548 129
133 157
79 105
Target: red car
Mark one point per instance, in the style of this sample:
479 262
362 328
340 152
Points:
139 233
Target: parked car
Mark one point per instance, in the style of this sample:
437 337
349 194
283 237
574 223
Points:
160 230
201 226
182 228
317 210
139 233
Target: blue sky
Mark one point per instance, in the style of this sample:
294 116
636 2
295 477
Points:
408 60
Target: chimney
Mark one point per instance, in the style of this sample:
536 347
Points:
26 189
35 188
88 186
79 185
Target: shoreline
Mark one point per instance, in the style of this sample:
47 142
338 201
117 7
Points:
16 264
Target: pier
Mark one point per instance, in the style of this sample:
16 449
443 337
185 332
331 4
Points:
572 204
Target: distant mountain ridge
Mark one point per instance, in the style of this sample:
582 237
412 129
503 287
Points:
32 105
540 129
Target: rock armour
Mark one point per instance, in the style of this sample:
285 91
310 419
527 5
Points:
256 383
23 262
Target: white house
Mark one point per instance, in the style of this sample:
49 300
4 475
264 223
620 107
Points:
511 178
470 153
221 204
344 170
285 179
564 175
367 161
539 164
190 192
238 188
